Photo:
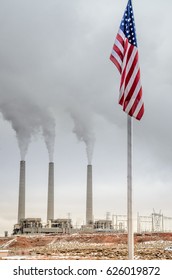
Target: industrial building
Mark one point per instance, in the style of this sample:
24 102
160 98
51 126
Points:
103 225
118 223
35 226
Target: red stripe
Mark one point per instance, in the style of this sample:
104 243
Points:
113 59
121 101
132 89
118 52
124 69
140 114
120 39
124 79
123 75
129 52
130 72
137 99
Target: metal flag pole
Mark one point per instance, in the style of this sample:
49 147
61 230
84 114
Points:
129 190
125 57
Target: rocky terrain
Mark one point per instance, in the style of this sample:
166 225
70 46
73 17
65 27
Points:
88 246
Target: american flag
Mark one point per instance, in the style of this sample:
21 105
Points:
125 56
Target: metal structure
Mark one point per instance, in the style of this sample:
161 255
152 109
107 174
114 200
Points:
89 197
156 222
144 223
50 203
167 224
119 223
129 191
21 201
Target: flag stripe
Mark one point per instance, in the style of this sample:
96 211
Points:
122 85
129 89
125 74
131 66
118 52
113 59
119 45
140 113
115 54
136 105
134 99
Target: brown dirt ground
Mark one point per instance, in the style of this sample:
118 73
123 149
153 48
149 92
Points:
104 246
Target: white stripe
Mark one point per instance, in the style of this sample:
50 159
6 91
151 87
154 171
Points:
121 33
118 44
130 83
121 92
123 66
133 98
125 57
138 108
129 64
116 56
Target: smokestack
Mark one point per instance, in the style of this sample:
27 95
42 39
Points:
21 202
50 206
89 201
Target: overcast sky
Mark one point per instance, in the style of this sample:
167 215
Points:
55 75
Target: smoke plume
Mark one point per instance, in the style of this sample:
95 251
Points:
84 131
28 119
48 128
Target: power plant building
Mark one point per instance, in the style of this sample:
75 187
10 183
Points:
35 225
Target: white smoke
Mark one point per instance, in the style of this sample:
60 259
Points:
28 119
48 128
83 128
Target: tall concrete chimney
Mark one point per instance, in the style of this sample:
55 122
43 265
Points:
21 201
89 201
50 206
